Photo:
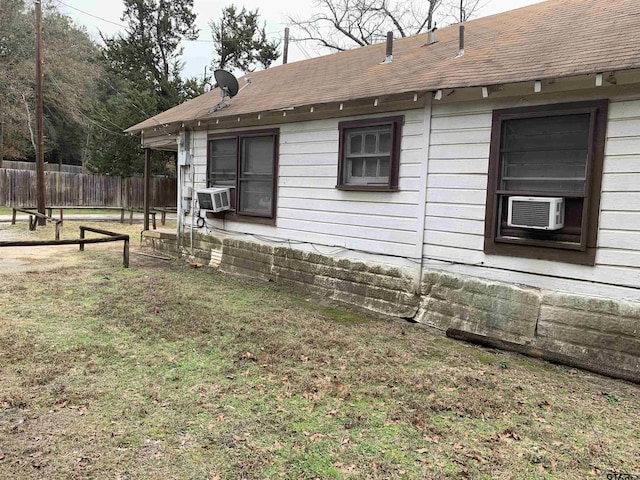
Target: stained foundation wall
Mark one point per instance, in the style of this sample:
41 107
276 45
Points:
590 330
587 329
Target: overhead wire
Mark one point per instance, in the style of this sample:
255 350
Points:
91 15
103 118
97 17
140 109
82 114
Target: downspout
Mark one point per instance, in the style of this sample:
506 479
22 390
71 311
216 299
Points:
194 196
422 198
179 204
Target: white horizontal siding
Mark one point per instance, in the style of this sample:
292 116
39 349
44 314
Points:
407 198
311 209
324 182
455 225
198 170
459 151
456 198
329 169
311 147
620 182
346 206
619 258
453 211
619 235
461 181
619 202
362 219
622 164
476 165
617 220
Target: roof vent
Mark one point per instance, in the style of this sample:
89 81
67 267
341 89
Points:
432 35
389 53
461 42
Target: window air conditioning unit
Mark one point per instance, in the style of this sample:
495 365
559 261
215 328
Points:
540 213
214 199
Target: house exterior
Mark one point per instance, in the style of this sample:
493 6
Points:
418 187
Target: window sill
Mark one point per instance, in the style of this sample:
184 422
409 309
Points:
235 217
366 188
552 252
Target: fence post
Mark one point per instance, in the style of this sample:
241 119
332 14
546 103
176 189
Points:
125 253
13 217
81 238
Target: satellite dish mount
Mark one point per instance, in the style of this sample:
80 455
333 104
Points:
228 88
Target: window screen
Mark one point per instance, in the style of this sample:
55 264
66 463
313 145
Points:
545 154
222 162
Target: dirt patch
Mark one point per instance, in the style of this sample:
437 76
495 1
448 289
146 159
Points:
45 258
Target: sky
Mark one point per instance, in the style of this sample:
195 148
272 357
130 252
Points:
198 54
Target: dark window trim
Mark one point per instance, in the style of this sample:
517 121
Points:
396 123
239 135
583 253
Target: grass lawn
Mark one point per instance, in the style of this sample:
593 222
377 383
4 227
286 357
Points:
163 371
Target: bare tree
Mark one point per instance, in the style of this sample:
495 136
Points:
343 24
462 10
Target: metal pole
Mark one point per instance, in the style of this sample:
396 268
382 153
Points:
40 116
147 185
285 52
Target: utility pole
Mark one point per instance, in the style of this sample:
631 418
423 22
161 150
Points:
1 128
39 115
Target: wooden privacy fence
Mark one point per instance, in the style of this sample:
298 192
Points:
49 167
18 188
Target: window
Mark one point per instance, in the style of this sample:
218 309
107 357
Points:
554 152
369 154
247 163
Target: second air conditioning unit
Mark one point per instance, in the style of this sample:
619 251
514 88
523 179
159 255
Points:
214 199
541 213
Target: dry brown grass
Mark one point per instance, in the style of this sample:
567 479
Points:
162 371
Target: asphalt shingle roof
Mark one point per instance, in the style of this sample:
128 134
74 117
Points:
552 39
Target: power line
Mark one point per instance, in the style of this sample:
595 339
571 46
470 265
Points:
120 129
92 15
124 26
90 120
149 117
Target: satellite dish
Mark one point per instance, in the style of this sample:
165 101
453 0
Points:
228 88
227 83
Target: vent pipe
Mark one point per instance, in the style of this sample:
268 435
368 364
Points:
389 53
432 36
285 50
461 52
